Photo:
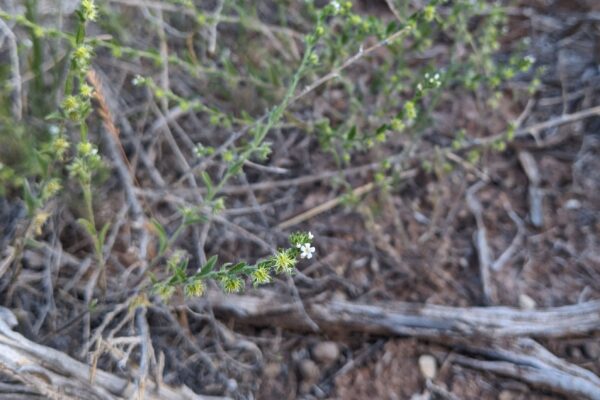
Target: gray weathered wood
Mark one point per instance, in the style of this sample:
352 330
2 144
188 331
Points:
417 320
55 375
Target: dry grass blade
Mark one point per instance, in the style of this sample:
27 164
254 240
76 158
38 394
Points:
119 157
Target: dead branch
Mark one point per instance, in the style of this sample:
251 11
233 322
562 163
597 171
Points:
536 193
410 319
483 249
530 362
55 375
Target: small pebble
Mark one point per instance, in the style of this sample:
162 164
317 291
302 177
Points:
428 366
361 262
326 352
272 370
421 396
8 317
592 350
338 295
34 260
575 352
232 385
526 302
304 388
572 204
309 370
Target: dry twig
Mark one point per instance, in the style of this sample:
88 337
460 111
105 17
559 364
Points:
483 249
58 376
536 194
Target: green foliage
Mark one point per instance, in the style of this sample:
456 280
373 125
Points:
230 276
315 53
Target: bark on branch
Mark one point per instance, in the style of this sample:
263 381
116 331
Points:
530 362
416 320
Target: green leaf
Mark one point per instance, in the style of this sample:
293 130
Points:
102 235
268 263
247 117
54 116
235 167
209 266
208 183
229 67
382 128
391 28
31 201
88 226
80 32
180 270
351 133
237 267
80 15
163 239
195 219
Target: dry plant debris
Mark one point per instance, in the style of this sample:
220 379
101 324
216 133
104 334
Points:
438 160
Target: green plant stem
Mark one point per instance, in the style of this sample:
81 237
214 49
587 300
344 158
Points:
89 208
273 118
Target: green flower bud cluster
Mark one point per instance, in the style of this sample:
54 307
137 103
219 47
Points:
76 108
231 284
429 13
201 151
85 163
81 57
410 111
194 289
52 187
89 11
59 147
284 261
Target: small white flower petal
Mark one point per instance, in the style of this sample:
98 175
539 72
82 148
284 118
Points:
310 235
54 130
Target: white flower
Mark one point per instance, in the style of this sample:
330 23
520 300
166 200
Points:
138 80
306 251
336 6
54 130
310 235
